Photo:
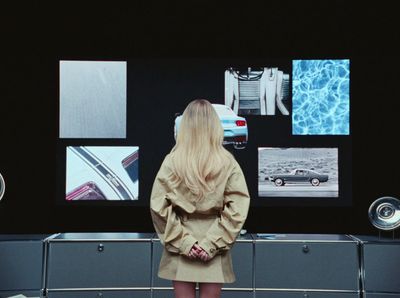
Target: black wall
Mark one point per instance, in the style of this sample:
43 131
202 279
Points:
37 37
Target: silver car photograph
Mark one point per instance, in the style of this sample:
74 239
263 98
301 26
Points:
235 127
298 172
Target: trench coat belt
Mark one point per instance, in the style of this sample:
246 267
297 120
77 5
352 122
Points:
186 216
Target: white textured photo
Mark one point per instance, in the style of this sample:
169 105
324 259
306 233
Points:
298 172
92 99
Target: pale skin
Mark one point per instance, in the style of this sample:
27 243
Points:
185 289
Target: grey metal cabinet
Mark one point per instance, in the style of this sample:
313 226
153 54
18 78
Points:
99 294
237 294
242 259
163 293
307 262
27 293
380 266
21 263
381 295
303 294
99 260
157 252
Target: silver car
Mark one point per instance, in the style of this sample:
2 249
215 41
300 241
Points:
235 127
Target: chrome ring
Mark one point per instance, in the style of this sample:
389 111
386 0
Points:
2 187
384 213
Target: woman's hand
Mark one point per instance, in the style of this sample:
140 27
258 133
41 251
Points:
198 252
201 253
193 253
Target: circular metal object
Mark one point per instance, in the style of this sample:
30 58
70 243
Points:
384 213
2 187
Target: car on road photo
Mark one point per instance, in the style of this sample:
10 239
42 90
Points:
299 176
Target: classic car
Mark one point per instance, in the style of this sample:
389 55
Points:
235 127
299 176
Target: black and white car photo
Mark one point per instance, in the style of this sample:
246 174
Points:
298 172
299 176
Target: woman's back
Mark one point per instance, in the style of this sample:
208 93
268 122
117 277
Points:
199 201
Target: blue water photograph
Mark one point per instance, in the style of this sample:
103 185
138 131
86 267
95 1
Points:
321 97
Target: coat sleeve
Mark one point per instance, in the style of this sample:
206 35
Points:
173 235
223 232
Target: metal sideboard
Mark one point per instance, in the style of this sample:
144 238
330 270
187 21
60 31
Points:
120 265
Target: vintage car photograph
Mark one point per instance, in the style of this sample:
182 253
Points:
102 173
298 172
235 127
299 176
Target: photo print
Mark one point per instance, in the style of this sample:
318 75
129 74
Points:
298 172
102 173
235 127
93 99
321 97
257 91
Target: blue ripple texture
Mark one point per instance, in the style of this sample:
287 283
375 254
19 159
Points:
321 97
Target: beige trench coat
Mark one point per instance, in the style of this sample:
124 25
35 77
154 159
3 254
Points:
214 223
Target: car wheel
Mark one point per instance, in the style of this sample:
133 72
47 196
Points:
279 182
314 182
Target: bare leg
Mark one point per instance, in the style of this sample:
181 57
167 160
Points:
210 290
184 289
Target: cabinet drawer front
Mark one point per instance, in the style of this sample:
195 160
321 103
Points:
381 295
21 265
99 294
283 294
98 264
242 260
30 294
224 294
382 268
237 294
312 265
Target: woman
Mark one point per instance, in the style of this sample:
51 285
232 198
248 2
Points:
199 203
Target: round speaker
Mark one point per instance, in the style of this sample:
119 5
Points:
2 187
384 213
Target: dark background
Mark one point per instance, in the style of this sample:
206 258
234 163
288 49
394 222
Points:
36 37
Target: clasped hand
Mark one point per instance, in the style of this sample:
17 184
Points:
197 252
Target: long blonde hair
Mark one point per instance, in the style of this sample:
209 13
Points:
199 159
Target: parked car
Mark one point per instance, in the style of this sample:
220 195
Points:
299 176
235 127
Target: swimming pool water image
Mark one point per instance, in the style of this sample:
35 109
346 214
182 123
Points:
321 97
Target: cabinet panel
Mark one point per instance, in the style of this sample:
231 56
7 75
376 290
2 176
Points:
99 294
27 293
98 264
381 267
21 265
307 265
283 294
381 295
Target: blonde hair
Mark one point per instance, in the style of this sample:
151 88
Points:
199 159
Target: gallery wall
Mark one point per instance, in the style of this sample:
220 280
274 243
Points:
32 159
